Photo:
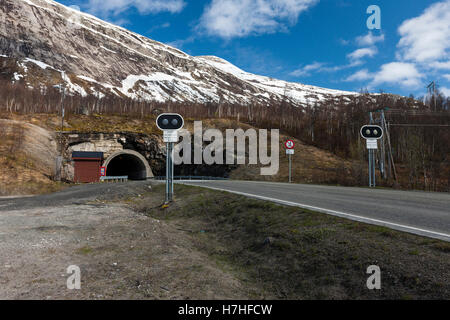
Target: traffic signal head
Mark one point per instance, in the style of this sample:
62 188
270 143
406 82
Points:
170 121
371 132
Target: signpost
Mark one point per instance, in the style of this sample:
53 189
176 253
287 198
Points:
290 145
102 171
372 134
169 123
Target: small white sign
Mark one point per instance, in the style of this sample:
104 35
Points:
290 151
170 136
372 144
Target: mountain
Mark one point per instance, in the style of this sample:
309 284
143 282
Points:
44 43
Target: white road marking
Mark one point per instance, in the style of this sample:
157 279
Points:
15 197
392 225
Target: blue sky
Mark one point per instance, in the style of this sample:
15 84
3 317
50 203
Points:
319 42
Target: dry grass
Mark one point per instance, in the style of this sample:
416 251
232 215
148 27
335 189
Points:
20 174
18 177
91 123
310 164
291 253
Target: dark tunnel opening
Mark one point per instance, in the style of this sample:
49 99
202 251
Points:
127 165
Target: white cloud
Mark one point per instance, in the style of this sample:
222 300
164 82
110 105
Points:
445 91
426 38
360 75
119 22
398 73
424 45
440 65
305 71
115 7
180 43
317 67
159 26
240 18
361 53
369 39
447 76
75 7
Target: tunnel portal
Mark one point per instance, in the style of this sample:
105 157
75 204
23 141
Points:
128 163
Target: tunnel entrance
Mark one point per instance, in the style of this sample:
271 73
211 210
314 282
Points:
128 163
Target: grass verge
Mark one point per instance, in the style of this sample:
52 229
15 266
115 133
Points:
291 253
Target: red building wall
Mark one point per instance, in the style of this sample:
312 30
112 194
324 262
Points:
87 171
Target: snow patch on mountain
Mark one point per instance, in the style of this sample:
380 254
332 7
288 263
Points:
102 58
40 64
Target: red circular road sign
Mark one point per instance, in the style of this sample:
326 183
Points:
290 144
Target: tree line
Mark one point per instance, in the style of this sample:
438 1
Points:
419 133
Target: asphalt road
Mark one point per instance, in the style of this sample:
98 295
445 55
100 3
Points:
76 195
422 213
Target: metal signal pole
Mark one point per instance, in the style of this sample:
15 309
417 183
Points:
169 123
373 168
290 168
371 160
370 169
169 172
290 144
372 133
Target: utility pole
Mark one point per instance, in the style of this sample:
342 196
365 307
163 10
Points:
383 149
59 159
432 91
63 111
391 156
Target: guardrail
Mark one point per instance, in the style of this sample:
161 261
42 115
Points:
114 179
191 178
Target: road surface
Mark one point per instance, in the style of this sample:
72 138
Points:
422 213
122 253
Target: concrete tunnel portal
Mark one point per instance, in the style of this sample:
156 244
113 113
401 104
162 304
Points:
128 163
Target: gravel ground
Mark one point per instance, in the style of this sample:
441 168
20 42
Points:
122 254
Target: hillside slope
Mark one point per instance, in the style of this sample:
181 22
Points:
28 148
27 158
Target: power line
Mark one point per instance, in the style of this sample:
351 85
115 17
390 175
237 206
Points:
417 113
418 125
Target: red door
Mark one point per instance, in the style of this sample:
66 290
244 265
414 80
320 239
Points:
87 171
